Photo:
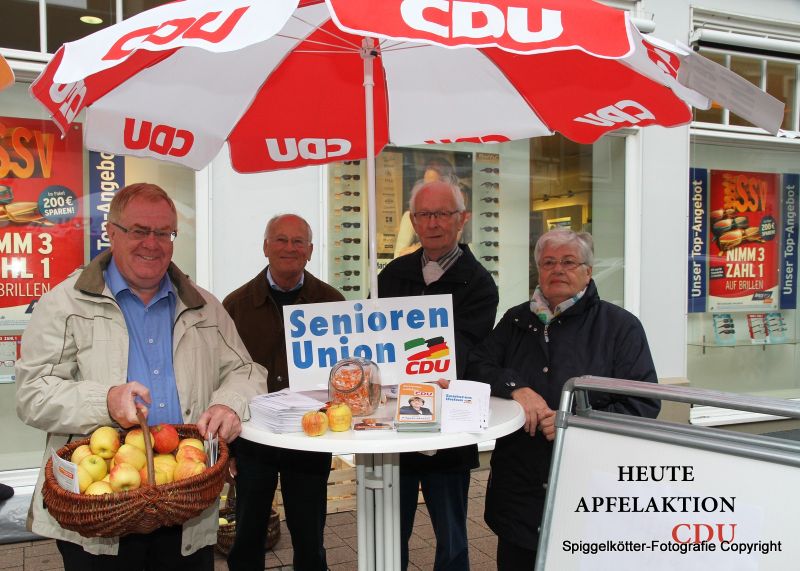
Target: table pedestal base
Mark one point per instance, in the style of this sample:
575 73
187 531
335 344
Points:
378 511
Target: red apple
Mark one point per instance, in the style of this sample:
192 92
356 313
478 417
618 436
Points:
187 468
130 454
166 438
197 443
190 453
339 417
314 423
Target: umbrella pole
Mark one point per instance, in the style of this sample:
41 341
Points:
368 53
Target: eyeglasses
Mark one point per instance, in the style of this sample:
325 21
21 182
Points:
350 288
490 228
347 193
351 224
8 363
351 176
349 209
568 265
283 242
424 215
349 273
490 184
138 234
491 199
349 241
491 258
490 243
491 214
352 162
351 257
493 170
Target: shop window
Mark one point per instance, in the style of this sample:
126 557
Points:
20 25
742 292
68 21
513 192
133 7
54 197
776 76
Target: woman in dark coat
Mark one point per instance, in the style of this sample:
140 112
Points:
565 331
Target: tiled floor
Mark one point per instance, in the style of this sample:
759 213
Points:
340 542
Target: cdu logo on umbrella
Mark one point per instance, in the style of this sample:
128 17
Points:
427 355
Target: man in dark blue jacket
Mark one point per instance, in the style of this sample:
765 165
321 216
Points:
565 331
442 266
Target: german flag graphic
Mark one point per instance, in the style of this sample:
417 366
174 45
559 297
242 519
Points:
433 348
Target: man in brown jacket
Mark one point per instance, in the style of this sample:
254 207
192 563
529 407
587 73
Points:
257 310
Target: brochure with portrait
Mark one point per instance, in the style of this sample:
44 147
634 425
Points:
417 407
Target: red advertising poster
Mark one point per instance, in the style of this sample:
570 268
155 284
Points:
743 262
41 219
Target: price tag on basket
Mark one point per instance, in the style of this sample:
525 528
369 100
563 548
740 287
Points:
66 473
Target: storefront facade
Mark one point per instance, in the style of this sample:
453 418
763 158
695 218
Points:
631 190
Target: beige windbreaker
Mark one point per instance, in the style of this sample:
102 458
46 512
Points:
76 348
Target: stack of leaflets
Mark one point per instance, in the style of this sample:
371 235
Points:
281 411
416 408
465 407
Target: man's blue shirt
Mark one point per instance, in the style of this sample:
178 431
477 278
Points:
150 344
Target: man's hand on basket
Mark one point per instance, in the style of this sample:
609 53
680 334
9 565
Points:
121 403
221 421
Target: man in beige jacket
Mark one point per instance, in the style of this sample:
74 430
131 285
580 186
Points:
132 330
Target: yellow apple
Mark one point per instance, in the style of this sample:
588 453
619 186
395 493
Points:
339 417
107 478
189 452
99 488
104 442
223 521
136 438
95 465
187 468
167 458
124 477
197 443
314 423
80 453
161 476
166 466
130 454
84 479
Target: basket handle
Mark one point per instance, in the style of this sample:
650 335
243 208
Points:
148 447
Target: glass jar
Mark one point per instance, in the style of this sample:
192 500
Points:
357 383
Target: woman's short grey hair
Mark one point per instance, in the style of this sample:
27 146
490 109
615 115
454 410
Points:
277 217
562 236
457 195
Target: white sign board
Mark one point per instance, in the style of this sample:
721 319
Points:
625 503
409 338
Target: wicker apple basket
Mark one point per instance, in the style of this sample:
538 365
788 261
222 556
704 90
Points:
137 511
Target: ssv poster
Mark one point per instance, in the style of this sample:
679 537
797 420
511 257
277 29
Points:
41 221
743 261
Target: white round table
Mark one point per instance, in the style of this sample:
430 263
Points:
377 469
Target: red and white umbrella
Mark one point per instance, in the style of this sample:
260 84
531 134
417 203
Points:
291 83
